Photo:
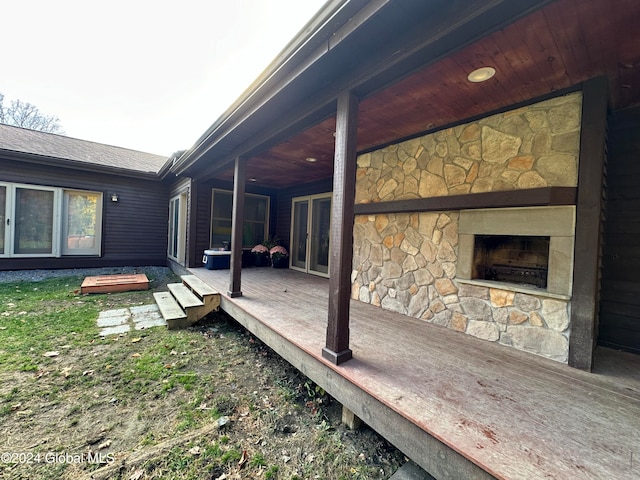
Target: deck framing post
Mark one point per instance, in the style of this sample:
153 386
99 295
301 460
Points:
337 349
589 208
237 222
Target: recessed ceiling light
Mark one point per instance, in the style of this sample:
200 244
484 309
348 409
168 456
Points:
481 74
252 180
311 159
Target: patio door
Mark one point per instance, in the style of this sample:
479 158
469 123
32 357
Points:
178 228
310 234
29 217
3 220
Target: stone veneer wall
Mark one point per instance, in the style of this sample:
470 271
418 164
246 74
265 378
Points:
407 262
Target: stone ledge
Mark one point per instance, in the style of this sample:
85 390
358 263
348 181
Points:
539 292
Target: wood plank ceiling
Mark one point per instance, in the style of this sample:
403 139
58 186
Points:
552 49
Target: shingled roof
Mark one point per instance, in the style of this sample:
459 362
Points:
53 149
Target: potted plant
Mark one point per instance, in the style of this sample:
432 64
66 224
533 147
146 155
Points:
260 255
279 257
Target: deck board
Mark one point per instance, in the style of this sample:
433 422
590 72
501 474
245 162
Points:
514 414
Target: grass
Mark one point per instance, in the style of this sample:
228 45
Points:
142 390
38 317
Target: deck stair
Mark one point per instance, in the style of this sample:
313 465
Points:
187 302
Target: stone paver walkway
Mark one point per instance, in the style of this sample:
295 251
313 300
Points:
121 320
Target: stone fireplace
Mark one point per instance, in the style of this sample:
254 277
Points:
520 249
441 265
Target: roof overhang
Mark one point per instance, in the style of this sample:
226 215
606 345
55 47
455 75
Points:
408 62
350 45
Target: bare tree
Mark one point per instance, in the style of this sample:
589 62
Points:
26 115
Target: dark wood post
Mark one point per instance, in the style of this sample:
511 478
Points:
586 263
341 240
237 222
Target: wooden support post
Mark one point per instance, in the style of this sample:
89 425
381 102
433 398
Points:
587 251
341 240
350 419
237 222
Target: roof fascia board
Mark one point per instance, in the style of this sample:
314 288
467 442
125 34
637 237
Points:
74 164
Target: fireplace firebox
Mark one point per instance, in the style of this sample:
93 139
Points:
534 245
517 259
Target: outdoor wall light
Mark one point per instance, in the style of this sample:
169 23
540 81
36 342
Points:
114 197
481 74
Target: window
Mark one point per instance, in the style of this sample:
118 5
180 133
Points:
256 219
82 221
40 221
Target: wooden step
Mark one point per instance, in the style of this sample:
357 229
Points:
184 296
197 286
187 302
202 290
194 307
171 310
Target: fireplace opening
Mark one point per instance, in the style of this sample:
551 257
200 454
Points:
511 258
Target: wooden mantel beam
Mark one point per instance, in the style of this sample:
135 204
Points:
341 237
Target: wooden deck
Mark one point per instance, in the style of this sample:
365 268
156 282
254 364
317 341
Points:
460 407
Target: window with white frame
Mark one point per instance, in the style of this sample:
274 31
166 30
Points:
256 218
42 221
82 217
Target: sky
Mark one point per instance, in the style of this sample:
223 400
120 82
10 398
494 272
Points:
149 75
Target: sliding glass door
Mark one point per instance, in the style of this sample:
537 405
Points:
3 219
33 221
310 234
178 228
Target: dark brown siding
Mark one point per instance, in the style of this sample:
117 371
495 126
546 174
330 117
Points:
201 214
134 230
620 297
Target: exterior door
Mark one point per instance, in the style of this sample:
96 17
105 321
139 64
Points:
177 228
3 219
310 234
29 216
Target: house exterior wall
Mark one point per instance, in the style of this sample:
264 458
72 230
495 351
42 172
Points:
409 262
200 215
619 325
134 230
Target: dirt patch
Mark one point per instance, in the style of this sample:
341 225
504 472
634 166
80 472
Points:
210 402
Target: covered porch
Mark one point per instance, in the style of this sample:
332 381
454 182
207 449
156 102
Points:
458 406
